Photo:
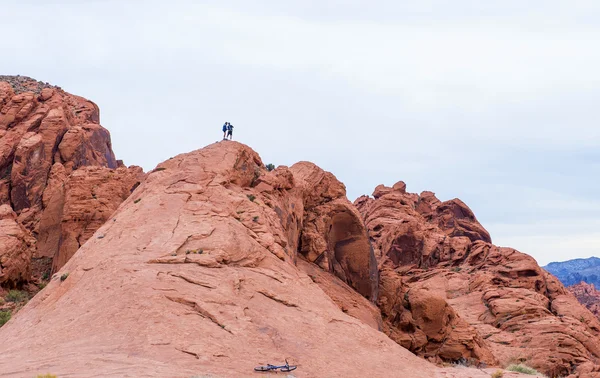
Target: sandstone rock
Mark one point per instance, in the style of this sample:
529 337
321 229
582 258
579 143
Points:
214 266
44 128
443 283
587 295
195 276
16 247
334 236
78 205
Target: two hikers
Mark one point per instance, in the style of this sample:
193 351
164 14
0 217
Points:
227 131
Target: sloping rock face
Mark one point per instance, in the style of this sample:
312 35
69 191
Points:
213 266
48 135
587 295
446 292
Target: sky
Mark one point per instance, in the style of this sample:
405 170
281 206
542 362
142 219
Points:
495 103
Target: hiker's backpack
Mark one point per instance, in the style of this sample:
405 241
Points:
225 127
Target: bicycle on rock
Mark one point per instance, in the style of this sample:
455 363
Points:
285 368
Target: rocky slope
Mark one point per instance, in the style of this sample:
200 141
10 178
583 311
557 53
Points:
196 273
446 292
214 266
588 295
575 271
59 179
211 265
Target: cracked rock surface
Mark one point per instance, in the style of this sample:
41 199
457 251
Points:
197 275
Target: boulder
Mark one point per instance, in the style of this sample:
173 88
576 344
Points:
448 294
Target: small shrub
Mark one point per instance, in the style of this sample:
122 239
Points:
16 296
270 167
64 276
159 169
47 375
4 317
251 197
461 363
255 219
497 374
137 200
42 285
521 368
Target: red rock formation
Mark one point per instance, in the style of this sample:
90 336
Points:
16 248
48 135
83 202
215 265
199 273
334 236
446 292
587 295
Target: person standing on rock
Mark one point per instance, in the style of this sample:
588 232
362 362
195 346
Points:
225 130
229 130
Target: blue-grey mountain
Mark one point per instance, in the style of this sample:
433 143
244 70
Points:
572 272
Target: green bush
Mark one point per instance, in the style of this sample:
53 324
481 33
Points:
4 317
520 368
46 376
251 197
16 296
64 276
270 167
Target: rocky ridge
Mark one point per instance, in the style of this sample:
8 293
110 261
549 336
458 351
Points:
59 179
446 292
214 266
22 84
588 295
211 264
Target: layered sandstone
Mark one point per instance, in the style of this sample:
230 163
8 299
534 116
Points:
215 265
17 248
446 292
206 269
50 139
588 295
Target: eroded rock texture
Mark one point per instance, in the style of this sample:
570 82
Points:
16 248
446 292
215 265
587 295
210 268
47 136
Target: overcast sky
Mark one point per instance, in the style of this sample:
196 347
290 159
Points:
495 103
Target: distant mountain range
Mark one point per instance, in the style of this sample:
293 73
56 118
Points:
574 271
